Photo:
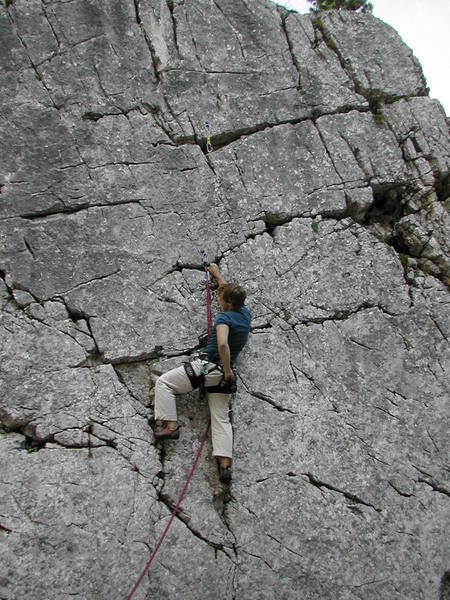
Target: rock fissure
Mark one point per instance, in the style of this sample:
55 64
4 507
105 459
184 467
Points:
352 497
186 520
50 24
340 315
171 8
261 558
266 398
284 547
154 57
435 487
88 282
33 66
399 491
295 60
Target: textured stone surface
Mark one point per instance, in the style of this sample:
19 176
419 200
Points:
326 195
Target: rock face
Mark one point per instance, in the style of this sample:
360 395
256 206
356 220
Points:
326 195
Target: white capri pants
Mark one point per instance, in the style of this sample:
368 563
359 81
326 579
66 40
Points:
176 382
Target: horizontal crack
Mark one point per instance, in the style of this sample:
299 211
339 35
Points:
72 210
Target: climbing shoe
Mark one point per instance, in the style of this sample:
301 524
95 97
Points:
168 434
225 475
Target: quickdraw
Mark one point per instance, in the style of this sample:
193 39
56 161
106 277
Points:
209 147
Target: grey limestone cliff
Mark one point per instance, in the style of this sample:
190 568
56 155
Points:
326 195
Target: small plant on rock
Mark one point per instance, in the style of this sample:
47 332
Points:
356 5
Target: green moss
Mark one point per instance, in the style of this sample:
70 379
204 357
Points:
378 117
330 43
120 377
315 226
404 260
317 23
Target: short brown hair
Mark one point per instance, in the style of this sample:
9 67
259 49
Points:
233 293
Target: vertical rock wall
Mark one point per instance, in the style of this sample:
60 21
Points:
326 196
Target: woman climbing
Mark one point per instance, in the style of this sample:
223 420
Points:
213 370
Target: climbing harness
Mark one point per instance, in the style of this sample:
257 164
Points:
199 452
209 147
198 381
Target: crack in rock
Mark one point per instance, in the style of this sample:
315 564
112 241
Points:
352 497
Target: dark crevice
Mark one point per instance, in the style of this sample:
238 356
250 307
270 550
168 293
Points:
170 4
124 383
69 211
136 10
442 187
5 529
270 401
257 328
266 398
295 60
99 359
155 59
340 315
18 287
170 504
444 588
388 206
399 492
3 277
34 442
435 486
93 116
226 138
320 484
382 218
160 119
375 98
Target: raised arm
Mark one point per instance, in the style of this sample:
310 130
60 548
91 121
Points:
215 272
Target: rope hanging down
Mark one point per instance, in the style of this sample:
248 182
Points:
208 294
199 452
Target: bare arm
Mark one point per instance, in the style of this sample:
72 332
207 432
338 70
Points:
224 351
215 272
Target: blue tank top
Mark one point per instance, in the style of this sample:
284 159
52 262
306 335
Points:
239 323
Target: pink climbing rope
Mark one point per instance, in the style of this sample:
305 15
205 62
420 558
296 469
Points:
208 306
174 512
194 465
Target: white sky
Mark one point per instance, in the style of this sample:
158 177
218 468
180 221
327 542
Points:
424 26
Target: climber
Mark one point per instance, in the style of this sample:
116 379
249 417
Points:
215 365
